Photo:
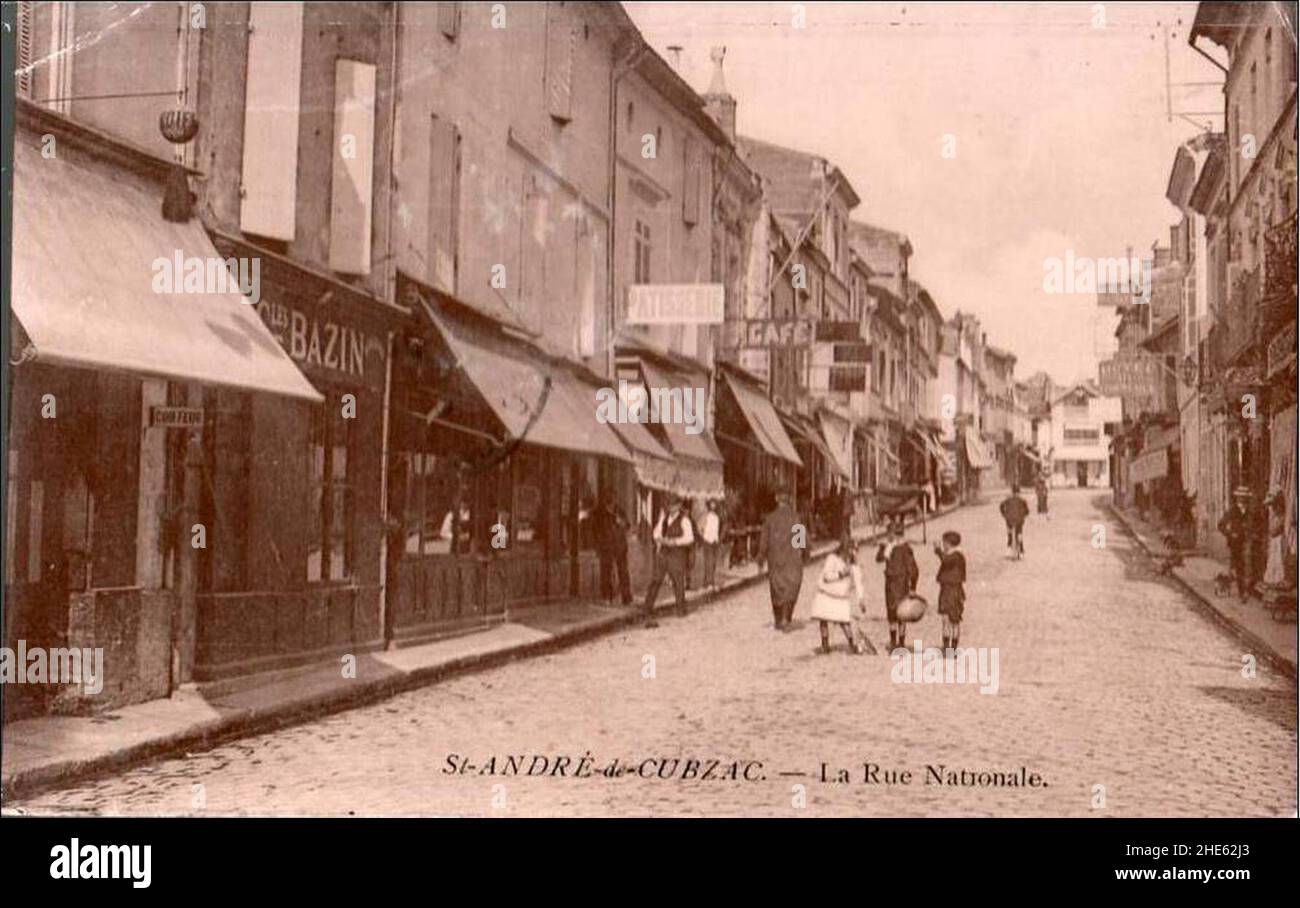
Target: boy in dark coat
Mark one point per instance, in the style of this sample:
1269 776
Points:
1014 511
901 574
952 589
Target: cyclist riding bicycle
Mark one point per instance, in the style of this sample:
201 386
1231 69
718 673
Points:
1014 511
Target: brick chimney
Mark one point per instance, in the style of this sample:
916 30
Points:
717 100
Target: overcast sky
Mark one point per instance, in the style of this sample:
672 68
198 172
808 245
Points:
1061 136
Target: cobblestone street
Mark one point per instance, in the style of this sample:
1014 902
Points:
1109 676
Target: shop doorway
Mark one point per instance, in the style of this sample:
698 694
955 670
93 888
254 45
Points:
1081 470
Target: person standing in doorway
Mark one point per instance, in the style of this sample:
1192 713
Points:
784 559
710 528
611 547
673 538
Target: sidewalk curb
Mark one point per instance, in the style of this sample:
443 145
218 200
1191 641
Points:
240 723
1276 660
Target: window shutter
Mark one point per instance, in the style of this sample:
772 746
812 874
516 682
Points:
559 66
449 19
443 181
271 105
354 166
23 77
587 266
691 183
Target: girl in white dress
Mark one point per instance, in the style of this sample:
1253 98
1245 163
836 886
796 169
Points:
839 591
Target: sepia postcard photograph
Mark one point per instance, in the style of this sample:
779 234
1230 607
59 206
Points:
751 410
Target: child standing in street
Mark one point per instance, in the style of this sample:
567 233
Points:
839 591
952 589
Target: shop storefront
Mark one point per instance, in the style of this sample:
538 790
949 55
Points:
496 463
293 494
680 456
111 364
758 455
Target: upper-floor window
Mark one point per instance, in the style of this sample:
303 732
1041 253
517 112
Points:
449 19
560 41
641 248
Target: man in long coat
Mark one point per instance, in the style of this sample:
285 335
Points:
1241 527
784 560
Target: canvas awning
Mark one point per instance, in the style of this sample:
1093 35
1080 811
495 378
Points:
976 454
940 453
1150 465
694 465
839 440
796 428
513 382
94 283
697 445
763 421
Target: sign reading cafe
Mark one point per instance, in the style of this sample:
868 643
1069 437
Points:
318 341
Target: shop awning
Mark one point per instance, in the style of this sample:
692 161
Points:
839 440
940 454
690 444
763 421
638 438
93 285
1150 465
512 381
976 453
1153 462
798 430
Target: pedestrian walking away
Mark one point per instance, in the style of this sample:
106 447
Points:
673 538
1040 489
839 595
784 561
1014 511
901 575
952 588
611 549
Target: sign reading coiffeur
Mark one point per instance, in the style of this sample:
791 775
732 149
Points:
675 304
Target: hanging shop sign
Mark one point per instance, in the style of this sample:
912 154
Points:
675 304
848 332
768 333
176 417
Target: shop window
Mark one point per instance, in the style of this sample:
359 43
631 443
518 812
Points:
331 508
438 510
529 472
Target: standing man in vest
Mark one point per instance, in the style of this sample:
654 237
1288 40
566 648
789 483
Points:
784 561
673 538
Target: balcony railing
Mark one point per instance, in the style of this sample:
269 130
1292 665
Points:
1280 259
